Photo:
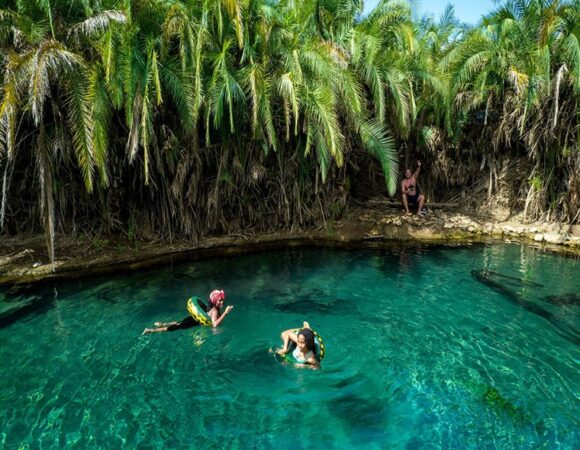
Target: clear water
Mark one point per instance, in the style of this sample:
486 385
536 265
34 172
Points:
419 355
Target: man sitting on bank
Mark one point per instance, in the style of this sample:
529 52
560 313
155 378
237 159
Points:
410 192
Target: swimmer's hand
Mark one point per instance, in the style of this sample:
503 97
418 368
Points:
228 309
306 325
308 366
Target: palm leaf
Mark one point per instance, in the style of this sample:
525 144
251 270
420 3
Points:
380 144
400 95
80 120
287 91
180 88
96 25
8 113
98 96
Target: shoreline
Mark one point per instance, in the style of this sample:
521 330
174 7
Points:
23 259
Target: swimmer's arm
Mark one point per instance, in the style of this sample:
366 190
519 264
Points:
217 320
287 336
291 335
312 364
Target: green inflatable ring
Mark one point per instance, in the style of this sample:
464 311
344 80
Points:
318 343
196 309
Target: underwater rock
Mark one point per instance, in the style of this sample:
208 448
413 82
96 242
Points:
308 306
484 275
565 299
10 312
494 281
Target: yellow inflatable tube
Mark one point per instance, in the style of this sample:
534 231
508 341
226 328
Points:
197 311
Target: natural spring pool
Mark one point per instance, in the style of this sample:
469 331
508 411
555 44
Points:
427 347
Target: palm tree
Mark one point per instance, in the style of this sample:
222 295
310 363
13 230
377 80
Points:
46 83
514 67
201 115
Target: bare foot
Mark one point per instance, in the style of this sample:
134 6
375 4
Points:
305 325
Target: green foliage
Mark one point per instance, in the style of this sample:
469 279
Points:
109 85
131 231
100 244
330 229
536 183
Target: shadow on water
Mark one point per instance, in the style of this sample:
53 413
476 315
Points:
303 306
22 301
312 301
360 413
182 276
494 281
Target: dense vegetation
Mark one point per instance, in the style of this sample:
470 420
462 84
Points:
161 118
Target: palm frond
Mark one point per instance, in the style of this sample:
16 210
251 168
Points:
98 97
571 48
9 107
267 117
96 25
80 120
287 91
322 151
146 127
472 66
378 143
400 94
49 61
252 82
179 87
320 108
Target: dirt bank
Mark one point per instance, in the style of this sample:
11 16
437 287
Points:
24 259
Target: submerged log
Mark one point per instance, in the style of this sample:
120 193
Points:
494 281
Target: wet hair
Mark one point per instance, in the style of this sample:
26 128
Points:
309 339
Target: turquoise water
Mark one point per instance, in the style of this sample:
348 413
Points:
420 354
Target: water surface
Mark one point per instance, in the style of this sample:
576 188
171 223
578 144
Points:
421 353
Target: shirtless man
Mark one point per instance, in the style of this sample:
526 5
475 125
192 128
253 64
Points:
409 190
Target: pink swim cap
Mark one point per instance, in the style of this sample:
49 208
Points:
216 295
